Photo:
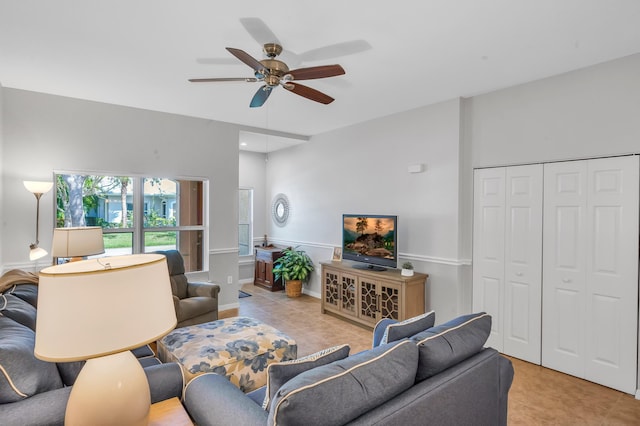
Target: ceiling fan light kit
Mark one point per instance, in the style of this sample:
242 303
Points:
273 72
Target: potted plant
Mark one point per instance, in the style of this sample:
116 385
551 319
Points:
407 269
293 267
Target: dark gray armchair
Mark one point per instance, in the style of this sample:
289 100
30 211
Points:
195 302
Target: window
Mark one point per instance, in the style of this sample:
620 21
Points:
245 222
137 214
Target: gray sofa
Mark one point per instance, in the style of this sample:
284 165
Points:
35 392
415 374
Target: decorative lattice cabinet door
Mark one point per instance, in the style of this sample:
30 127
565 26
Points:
331 289
348 288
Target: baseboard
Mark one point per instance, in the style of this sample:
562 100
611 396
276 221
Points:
245 281
228 306
311 293
637 393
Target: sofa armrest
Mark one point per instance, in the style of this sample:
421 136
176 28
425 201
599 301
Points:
165 381
46 408
212 400
195 289
379 329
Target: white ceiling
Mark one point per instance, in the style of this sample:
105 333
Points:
409 54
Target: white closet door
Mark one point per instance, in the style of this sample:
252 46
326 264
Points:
488 249
612 273
565 238
523 262
590 276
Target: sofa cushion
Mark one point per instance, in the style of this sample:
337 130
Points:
279 373
408 327
26 292
339 392
18 310
449 343
21 373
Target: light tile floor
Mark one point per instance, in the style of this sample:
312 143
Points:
538 396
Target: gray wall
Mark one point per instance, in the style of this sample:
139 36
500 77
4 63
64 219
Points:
364 169
43 133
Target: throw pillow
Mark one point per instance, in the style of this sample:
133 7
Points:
339 392
280 373
408 327
450 343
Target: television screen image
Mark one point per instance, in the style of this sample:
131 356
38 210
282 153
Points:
371 240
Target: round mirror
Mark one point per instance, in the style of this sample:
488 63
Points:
280 209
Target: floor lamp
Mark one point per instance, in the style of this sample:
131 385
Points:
37 189
99 309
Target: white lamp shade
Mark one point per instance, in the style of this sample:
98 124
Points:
75 242
98 307
37 187
36 253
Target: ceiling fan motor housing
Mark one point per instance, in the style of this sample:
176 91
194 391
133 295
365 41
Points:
275 70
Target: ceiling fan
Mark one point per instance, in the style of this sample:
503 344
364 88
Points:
273 73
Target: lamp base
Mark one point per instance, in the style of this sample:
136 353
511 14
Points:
110 390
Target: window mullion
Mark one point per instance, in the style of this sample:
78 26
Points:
138 214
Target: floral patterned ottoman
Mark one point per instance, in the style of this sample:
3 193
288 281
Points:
239 348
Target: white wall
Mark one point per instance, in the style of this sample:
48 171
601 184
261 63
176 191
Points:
2 224
364 169
252 170
592 112
43 133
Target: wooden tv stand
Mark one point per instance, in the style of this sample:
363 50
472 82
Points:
366 296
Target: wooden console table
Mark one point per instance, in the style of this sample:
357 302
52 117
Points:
265 256
366 296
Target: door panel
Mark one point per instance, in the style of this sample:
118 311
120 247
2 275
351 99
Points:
523 262
488 249
612 273
590 273
563 302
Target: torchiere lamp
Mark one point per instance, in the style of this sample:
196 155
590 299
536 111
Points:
99 309
37 188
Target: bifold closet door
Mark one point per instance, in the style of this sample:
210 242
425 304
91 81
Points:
488 249
590 274
507 256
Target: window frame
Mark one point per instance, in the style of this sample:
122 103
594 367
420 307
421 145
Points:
138 229
250 224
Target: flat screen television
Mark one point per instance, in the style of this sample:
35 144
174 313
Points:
370 240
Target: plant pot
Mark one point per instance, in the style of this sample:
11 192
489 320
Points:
294 288
406 272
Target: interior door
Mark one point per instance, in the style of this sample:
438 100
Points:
565 239
590 290
611 293
523 262
488 249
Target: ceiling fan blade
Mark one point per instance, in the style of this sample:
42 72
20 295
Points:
247 59
261 96
316 72
208 80
259 31
309 93
335 50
